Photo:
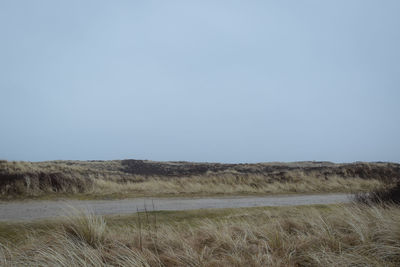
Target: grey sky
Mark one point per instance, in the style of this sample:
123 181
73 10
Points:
227 81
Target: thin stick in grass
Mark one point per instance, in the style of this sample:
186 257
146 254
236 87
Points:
140 229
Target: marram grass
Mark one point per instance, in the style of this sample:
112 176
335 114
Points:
350 235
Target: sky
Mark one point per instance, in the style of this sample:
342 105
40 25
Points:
212 81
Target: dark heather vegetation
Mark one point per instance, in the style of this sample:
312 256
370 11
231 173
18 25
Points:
121 178
389 193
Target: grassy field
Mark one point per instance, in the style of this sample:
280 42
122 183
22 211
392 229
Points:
365 232
351 235
131 178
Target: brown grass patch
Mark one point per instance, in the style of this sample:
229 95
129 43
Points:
129 178
352 235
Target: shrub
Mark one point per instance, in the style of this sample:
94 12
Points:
388 194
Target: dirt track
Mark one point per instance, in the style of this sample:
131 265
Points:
46 209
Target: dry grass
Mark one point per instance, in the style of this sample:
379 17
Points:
232 184
113 179
353 235
85 227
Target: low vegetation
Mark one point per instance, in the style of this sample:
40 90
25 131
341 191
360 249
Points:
365 232
133 178
351 235
389 193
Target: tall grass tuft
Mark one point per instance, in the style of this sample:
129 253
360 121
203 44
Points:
349 235
86 227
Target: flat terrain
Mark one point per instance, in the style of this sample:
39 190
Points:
45 209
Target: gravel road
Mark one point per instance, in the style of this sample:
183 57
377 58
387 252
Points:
32 210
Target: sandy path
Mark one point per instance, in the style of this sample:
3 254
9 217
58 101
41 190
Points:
11 211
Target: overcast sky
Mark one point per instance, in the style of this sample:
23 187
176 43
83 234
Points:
225 81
